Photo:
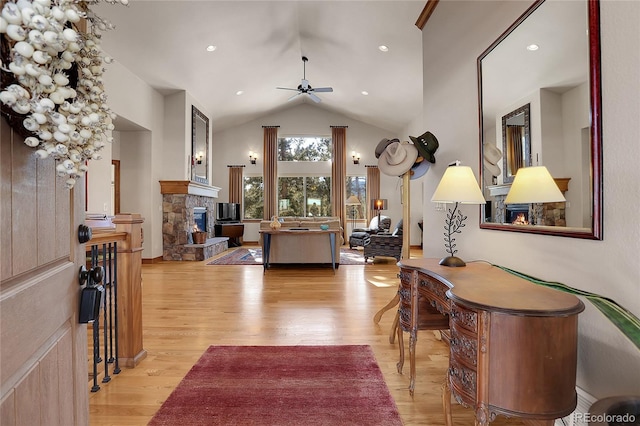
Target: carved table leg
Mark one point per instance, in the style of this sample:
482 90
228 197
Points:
378 316
401 345
395 328
446 401
413 337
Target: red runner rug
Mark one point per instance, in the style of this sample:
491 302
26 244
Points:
282 385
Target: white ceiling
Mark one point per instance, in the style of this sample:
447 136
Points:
259 47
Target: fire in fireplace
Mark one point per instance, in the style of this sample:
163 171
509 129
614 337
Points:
517 214
200 218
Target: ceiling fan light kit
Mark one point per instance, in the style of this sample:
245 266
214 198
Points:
305 88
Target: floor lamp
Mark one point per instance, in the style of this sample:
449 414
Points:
353 202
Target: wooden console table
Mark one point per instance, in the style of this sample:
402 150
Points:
268 234
513 343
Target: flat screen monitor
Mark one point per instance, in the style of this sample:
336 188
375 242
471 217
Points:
227 212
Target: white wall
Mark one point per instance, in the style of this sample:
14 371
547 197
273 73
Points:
456 34
140 152
232 146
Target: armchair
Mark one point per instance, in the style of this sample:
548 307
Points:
361 236
385 244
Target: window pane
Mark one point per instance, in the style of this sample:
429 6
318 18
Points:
304 149
291 196
253 197
357 185
318 196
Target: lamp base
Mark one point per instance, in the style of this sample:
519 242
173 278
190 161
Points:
452 261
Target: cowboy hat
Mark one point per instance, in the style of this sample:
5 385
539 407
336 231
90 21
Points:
427 145
491 152
419 168
493 169
397 158
383 144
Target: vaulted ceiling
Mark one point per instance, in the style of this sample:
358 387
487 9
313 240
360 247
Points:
259 46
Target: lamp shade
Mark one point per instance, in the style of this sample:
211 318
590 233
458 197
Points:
379 204
352 201
458 185
533 185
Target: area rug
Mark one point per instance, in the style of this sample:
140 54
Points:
282 385
253 256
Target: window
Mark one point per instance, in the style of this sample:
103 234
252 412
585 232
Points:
253 197
304 176
304 148
357 185
304 196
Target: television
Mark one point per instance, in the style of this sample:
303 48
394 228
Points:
228 212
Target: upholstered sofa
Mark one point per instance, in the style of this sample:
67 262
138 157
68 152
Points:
303 247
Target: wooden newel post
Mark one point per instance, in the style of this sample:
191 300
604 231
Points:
130 350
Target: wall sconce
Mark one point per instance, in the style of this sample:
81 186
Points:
199 157
356 157
253 157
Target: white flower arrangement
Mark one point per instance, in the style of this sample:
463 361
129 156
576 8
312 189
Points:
52 80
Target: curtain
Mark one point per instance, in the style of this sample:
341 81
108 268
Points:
235 183
515 151
270 171
373 189
339 173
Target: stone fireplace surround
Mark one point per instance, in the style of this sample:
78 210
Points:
178 201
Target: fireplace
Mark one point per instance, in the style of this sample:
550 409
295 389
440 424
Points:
517 214
200 218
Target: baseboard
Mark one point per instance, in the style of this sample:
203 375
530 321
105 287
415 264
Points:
585 401
151 261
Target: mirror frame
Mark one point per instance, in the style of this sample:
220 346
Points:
195 115
526 110
595 98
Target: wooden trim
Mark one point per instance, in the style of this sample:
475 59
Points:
188 187
426 13
152 260
116 186
174 186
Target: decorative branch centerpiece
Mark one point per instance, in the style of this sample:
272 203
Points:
52 86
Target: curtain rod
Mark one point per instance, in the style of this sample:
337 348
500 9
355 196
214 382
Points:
270 127
339 127
236 165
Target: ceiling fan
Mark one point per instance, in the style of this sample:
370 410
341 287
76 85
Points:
305 87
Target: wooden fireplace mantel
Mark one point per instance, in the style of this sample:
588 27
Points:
188 187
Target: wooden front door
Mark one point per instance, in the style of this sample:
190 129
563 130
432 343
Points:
43 348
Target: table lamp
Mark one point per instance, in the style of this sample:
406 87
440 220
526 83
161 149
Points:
379 204
534 185
458 185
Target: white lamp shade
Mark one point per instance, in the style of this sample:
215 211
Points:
533 185
352 201
458 185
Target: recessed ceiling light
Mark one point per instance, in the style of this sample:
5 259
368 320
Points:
533 47
239 92
383 48
364 92
211 48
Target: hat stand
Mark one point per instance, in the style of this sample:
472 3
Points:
406 220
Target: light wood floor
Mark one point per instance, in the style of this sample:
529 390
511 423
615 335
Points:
188 306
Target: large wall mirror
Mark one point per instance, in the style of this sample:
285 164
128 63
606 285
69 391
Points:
199 146
539 105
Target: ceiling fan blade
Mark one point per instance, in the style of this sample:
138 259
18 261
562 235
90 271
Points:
314 98
323 89
286 88
294 96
